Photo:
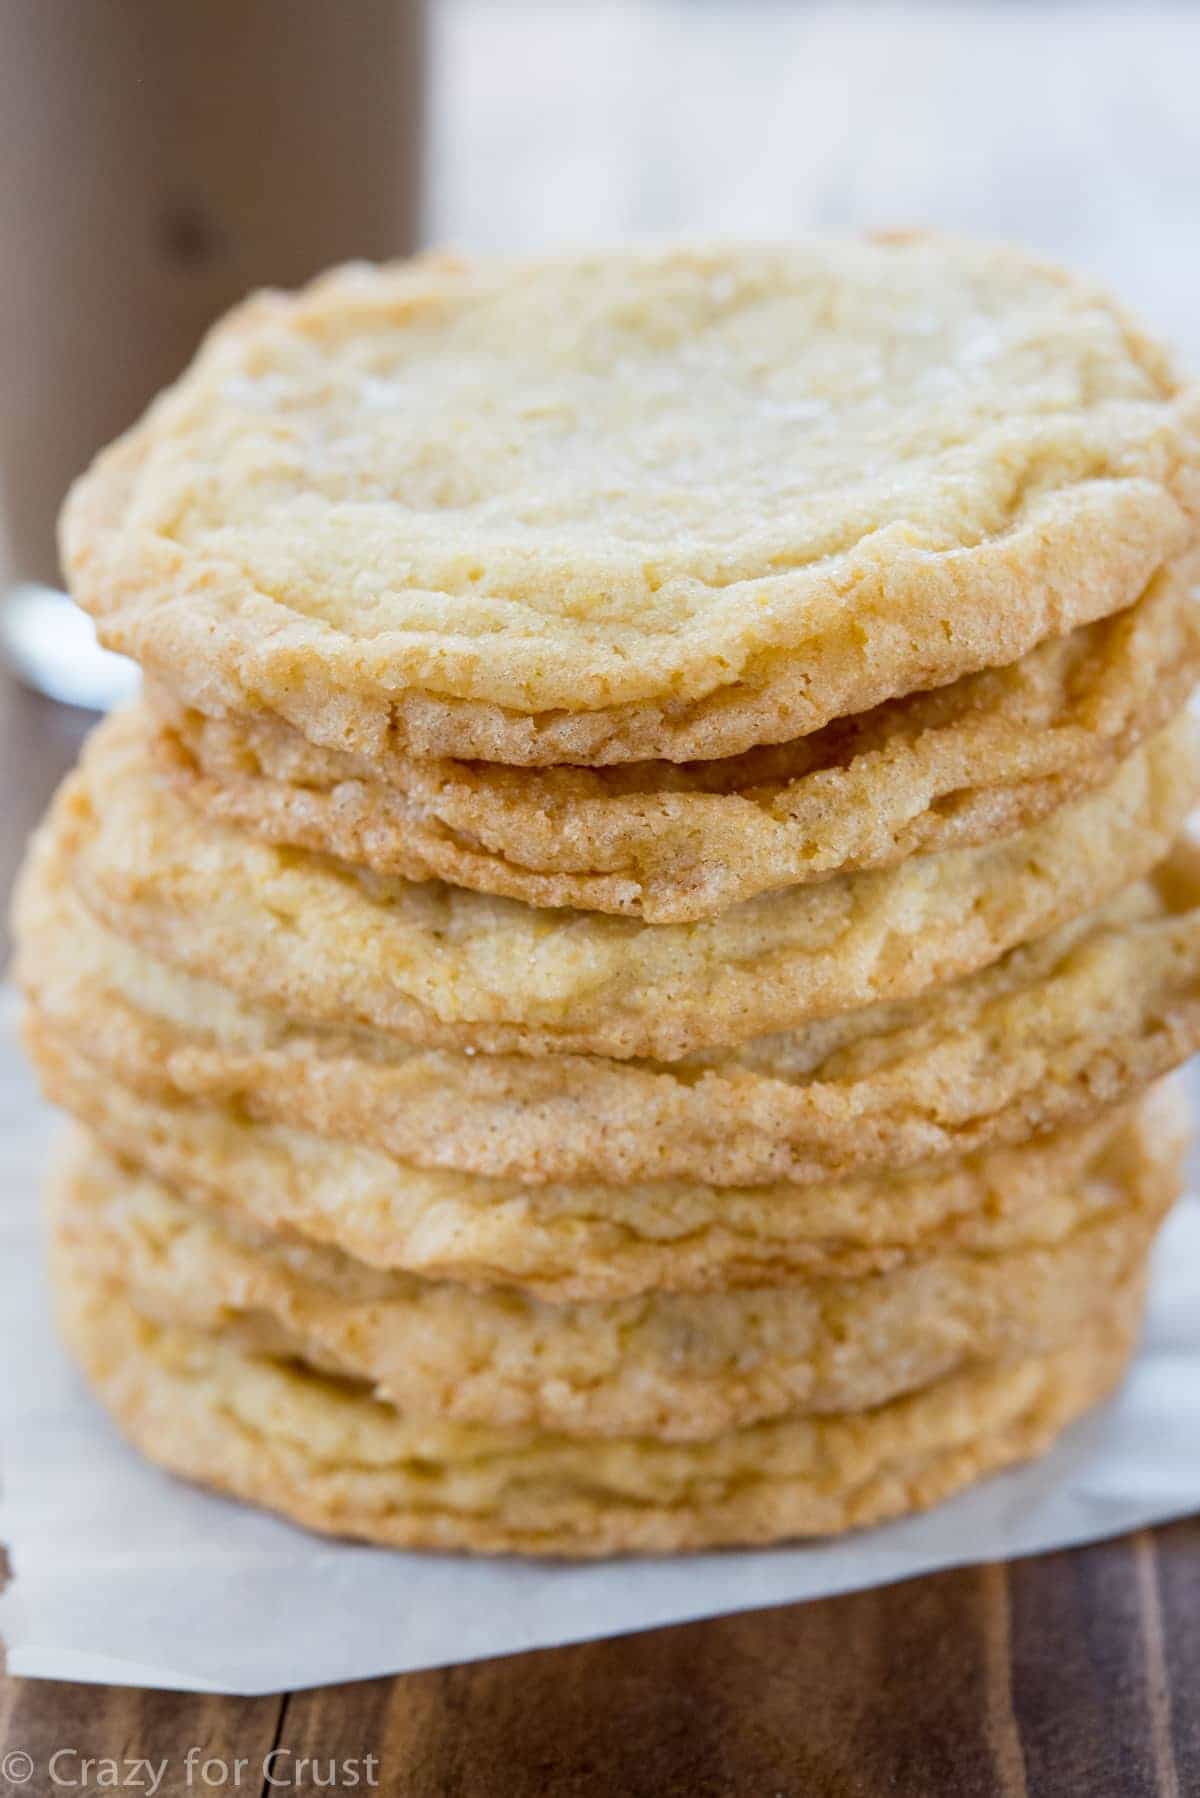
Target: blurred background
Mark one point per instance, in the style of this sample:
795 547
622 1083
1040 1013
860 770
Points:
156 160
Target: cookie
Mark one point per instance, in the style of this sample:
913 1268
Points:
1054 1033
327 1454
991 754
568 1242
655 503
675 1368
438 967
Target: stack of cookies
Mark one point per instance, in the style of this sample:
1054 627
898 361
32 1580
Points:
613 984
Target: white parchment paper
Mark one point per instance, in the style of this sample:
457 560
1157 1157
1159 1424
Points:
126 1576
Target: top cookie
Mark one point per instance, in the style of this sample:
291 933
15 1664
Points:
657 503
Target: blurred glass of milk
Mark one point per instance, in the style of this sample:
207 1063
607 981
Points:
159 161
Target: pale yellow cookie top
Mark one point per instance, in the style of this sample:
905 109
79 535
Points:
667 501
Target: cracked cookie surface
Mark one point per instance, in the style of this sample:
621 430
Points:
991 754
651 503
568 1241
674 1367
436 966
1053 1033
325 1453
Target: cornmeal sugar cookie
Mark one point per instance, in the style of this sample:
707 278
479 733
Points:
676 1368
1053 1033
650 503
986 756
586 1241
326 1453
436 966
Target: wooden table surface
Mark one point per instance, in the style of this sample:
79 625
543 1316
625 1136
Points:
1068 1676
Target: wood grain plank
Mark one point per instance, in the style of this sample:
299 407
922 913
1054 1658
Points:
1158 1691
1003 1729
878 1692
1177 1571
1081 1676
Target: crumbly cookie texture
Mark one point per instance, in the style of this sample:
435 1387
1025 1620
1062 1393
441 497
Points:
439 967
653 503
579 1242
327 1454
676 1368
1055 1032
990 754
